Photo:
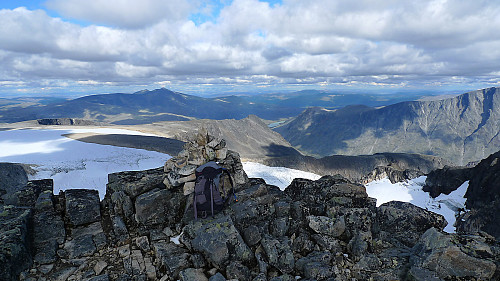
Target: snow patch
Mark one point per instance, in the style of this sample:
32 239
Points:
71 163
278 176
411 191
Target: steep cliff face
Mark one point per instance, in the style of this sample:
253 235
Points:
461 129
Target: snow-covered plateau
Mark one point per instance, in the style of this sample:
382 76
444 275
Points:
75 164
71 163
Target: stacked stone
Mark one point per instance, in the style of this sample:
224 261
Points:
180 170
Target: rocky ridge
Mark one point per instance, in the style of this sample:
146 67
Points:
327 229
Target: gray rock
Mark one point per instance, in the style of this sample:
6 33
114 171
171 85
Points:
191 274
150 207
252 235
279 253
158 207
217 277
103 277
437 253
80 246
285 277
279 226
86 240
119 229
142 243
27 195
122 205
12 177
218 240
15 255
134 183
236 270
316 266
171 258
358 245
48 229
406 222
82 206
326 225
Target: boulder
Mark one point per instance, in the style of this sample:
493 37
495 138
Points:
134 183
326 225
406 222
218 240
27 195
12 177
435 254
82 206
158 206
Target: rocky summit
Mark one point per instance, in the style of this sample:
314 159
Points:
144 229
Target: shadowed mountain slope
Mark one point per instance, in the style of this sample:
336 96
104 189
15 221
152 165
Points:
461 129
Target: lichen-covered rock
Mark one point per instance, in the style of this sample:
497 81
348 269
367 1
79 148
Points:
406 222
437 253
134 183
48 229
326 225
218 240
15 238
236 270
279 253
82 206
316 266
171 258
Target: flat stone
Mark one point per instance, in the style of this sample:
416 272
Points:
99 267
188 187
187 170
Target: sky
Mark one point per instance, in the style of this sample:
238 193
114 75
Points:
100 46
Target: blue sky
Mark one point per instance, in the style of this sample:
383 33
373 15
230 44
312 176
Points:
99 46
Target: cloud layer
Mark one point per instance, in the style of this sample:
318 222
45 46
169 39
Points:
248 42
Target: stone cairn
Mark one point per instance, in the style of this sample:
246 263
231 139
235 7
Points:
180 170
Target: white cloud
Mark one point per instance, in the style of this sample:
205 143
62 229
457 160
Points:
122 13
321 41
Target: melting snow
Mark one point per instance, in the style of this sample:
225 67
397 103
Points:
71 163
411 191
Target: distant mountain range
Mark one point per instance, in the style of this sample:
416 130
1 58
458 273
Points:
461 129
145 106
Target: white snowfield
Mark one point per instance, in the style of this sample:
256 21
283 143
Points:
71 163
411 191
278 176
75 164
